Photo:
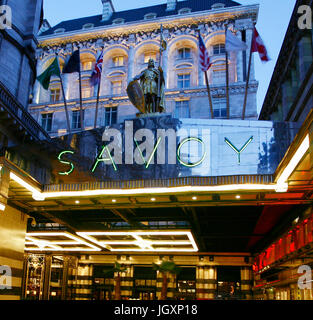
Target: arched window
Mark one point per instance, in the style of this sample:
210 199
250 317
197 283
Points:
118 21
184 11
118 61
184 53
150 16
88 26
150 55
218 5
60 30
87 61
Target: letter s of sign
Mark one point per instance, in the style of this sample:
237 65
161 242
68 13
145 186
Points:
66 162
5 277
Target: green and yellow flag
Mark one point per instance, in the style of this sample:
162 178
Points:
52 70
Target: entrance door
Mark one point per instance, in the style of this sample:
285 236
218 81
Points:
228 280
103 284
144 283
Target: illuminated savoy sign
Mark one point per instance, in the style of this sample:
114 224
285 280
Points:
159 146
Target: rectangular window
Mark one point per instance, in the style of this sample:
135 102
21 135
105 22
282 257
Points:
219 49
183 81
116 87
76 119
87 65
182 109
110 116
219 73
118 61
55 94
87 90
46 121
184 53
219 108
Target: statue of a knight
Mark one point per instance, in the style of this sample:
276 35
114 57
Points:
152 84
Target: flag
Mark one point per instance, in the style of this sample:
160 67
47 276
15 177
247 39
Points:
259 46
205 62
233 43
73 64
52 70
96 74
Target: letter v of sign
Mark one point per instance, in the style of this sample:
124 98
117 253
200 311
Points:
239 151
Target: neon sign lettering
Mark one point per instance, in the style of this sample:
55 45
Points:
239 151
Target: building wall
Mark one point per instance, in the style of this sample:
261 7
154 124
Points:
17 48
134 49
289 97
12 237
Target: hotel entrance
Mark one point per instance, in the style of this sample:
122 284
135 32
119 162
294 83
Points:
144 283
186 284
228 279
103 284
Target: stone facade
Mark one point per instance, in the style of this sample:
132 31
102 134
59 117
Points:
289 97
126 51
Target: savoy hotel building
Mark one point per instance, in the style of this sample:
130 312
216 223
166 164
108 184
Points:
206 207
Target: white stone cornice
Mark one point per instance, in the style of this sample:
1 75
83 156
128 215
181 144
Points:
186 20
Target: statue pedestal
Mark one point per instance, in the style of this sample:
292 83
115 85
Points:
149 115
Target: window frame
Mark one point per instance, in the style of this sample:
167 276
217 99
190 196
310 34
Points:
53 95
180 108
112 113
46 121
182 53
77 119
183 80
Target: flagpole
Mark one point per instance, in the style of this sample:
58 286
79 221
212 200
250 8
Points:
227 77
208 87
97 103
64 98
80 96
160 62
209 93
247 82
98 98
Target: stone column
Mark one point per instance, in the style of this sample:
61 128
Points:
127 282
206 282
212 281
239 63
84 282
46 277
65 278
165 67
249 34
131 53
246 282
37 86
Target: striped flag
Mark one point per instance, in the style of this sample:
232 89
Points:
259 46
205 62
96 74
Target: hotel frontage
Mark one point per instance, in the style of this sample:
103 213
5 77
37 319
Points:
92 210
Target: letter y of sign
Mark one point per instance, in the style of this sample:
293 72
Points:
239 151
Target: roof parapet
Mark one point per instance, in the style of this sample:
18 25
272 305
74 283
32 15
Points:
171 5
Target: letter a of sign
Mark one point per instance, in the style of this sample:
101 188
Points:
5 277
239 151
